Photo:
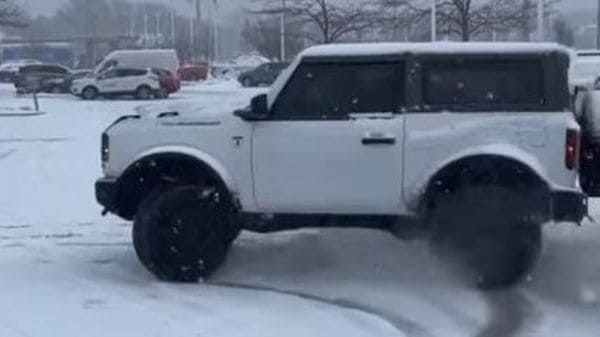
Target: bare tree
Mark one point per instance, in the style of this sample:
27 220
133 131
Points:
563 32
263 36
328 21
400 16
469 18
11 14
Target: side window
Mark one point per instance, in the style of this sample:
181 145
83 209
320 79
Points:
137 72
483 84
56 70
111 74
123 73
335 90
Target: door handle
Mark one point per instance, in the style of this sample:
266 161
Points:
379 139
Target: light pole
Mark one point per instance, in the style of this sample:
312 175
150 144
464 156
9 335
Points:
173 44
598 26
192 40
216 31
433 20
540 20
282 23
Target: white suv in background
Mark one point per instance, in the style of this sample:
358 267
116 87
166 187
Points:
141 83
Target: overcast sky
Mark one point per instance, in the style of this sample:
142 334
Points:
48 6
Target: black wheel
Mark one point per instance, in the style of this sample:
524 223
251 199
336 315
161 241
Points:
162 93
490 232
247 82
89 93
182 234
143 93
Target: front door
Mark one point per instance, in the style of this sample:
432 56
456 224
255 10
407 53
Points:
334 143
109 81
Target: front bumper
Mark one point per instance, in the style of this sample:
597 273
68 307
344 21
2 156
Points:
569 206
106 194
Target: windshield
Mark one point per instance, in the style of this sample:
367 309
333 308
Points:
299 168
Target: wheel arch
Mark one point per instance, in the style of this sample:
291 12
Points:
90 86
516 170
152 168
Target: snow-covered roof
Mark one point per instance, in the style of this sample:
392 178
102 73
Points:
365 49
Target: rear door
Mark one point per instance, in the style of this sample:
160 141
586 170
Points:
132 79
334 144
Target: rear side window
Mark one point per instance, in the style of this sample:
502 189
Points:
482 85
31 69
56 70
132 72
335 90
43 69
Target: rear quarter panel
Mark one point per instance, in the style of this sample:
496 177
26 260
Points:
536 139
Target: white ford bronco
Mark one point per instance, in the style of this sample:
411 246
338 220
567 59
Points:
471 146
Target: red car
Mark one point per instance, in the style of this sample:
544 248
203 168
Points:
193 72
168 81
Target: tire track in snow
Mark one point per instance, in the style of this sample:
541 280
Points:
403 325
511 314
6 154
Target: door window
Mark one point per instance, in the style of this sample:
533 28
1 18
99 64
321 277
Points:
335 90
111 74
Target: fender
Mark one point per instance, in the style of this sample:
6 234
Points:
202 156
415 190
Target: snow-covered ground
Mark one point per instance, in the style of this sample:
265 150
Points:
66 271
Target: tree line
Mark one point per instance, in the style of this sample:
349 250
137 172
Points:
329 21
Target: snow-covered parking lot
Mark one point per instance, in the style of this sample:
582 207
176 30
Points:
66 271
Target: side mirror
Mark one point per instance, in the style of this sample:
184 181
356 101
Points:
258 110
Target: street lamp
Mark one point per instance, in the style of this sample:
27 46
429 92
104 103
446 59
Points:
598 26
282 23
434 20
540 20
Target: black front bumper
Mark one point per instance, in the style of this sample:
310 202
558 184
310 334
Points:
106 194
569 206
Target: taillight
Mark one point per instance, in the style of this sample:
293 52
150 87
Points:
105 151
572 149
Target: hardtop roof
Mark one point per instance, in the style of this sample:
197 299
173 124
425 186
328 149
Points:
439 48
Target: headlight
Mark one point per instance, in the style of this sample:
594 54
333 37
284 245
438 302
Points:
105 149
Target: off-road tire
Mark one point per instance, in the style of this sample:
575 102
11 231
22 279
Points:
490 232
182 234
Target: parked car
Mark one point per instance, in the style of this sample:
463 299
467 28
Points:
193 72
10 68
168 81
474 149
140 83
144 58
265 74
584 70
42 78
